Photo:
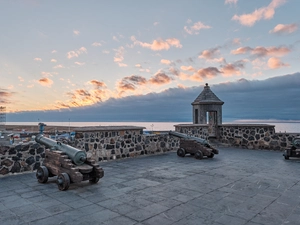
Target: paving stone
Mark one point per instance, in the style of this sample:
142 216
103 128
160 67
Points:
237 187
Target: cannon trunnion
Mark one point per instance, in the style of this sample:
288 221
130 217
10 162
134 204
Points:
294 150
194 146
62 164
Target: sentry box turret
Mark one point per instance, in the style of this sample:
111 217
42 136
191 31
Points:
69 164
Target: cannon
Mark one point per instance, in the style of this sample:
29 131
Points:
294 150
69 164
194 146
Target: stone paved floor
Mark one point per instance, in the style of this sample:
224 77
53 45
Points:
236 187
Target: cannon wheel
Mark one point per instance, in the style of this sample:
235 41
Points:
181 152
199 155
286 155
42 174
211 155
63 181
94 180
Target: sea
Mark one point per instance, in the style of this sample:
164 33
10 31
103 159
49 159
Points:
280 126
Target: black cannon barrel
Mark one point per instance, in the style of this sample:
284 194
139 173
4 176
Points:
184 136
77 156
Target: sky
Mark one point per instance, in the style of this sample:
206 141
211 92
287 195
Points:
148 60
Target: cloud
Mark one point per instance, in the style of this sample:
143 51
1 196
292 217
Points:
53 51
231 2
138 66
158 45
263 51
53 60
79 63
76 53
130 83
45 82
284 28
242 99
265 13
105 51
241 50
209 54
37 59
160 78
21 79
97 84
188 68
236 41
59 66
155 23
275 63
194 29
165 61
76 32
96 44
232 68
5 96
208 72
115 38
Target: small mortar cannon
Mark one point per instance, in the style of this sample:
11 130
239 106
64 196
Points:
194 146
69 164
294 150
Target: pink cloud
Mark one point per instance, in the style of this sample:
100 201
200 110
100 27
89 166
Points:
76 53
160 78
45 82
158 45
263 51
188 68
232 68
165 61
208 72
275 63
265 13
37 59
209 54
284 28
97 84
194 29
231 1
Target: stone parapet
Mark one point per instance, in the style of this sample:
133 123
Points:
103 145
250 136
20 158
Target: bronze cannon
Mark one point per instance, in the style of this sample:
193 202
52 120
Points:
69 164
194 146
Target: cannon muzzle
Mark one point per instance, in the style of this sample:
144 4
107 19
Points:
187 137
76 155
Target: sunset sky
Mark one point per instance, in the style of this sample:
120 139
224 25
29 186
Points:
58 55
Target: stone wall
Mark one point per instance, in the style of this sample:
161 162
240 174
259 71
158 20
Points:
197 130
255 136
251 136
20 158
107 143
112 143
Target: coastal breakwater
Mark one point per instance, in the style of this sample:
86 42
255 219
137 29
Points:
112 142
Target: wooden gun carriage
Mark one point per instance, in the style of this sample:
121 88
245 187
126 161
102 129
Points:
194 146
294 150
69 164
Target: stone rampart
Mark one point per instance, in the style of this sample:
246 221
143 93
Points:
100 144
21 158
115 143
251 136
